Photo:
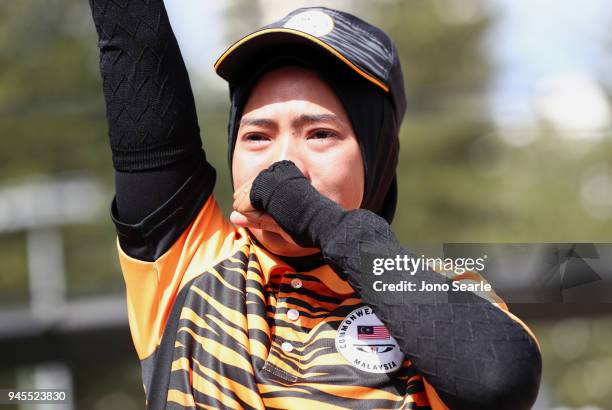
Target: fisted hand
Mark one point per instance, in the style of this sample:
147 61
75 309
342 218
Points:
246 216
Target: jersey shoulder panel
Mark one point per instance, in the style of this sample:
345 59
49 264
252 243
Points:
152 287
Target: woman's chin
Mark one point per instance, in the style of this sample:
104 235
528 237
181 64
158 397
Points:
278 245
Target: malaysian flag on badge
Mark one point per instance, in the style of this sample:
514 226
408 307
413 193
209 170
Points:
372 332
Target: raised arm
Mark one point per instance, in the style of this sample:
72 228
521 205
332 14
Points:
152 123
472 353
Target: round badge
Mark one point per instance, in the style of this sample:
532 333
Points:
366 344
313 22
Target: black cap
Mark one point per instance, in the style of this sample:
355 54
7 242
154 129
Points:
362 47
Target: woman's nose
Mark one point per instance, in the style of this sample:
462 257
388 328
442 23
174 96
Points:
290 150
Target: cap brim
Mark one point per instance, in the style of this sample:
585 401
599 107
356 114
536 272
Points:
233 63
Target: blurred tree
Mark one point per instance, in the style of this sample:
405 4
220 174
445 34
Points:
460 182
443 197
577 357
52 121
50 104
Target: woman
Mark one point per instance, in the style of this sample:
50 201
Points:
276 308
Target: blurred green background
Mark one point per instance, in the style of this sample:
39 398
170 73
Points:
462 178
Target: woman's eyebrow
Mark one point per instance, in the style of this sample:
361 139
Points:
305 119
258 122
301 121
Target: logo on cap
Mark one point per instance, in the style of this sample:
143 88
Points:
366 344
313 22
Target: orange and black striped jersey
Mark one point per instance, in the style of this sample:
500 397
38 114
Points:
219 322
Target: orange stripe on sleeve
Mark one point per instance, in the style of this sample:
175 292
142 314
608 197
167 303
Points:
435 402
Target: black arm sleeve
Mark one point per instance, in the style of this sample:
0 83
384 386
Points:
473 354
152 123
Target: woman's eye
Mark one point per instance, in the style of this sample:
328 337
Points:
255 138
322 134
